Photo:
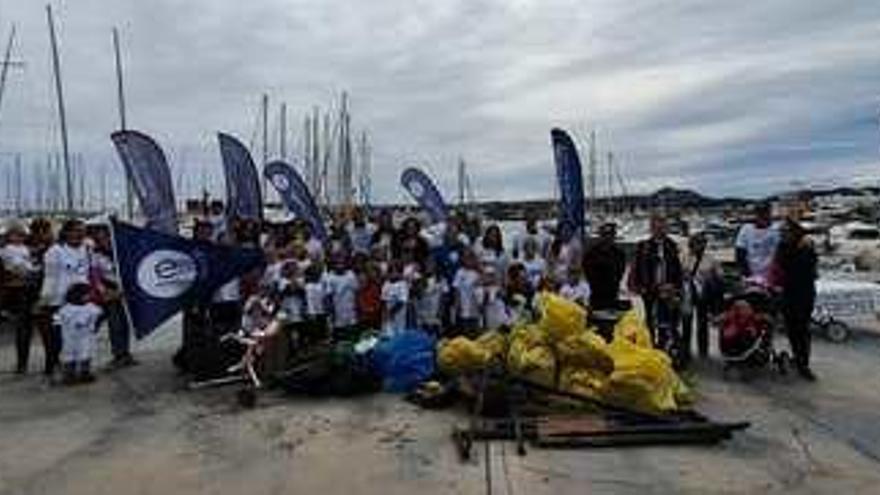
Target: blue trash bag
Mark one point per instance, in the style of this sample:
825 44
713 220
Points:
404 360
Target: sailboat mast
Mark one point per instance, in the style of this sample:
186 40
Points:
6 63
18 202
62 117
120 98
265 115
282 133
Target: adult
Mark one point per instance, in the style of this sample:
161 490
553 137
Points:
384 235
701 294
409 245
66 263
490 251
108 292
656 276
796 258
17 282
533 233
195 316
360 232
756 245
604 265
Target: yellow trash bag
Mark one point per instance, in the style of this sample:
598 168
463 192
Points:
495 343
585 350
643 379
587 382
561 318
633 329
461 355
530 356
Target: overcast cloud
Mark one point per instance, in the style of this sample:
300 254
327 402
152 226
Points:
725 97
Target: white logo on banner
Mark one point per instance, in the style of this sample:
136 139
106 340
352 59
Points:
280 182
167 274
416 189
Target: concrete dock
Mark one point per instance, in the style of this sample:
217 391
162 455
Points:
138 431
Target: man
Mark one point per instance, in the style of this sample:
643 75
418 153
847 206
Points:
532 232
756 245
604 264
657 277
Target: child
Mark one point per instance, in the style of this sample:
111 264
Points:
316 301
535 265
466 284
369 298
342 286
432 289
78 319
576 288
495 311
395 295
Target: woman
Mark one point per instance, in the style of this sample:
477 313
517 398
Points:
409 245
16 288
490 251
65 263
702 276
796 261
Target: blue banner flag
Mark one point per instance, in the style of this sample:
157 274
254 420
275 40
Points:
148 173
571 185
423 190
243 198
296 195
161 273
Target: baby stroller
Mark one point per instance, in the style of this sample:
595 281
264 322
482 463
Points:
747 327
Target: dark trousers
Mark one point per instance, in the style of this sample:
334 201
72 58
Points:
663 321
117 325
50 333
24 330
797 325
700 313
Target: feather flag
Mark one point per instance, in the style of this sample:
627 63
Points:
243 197
571 185
147 171
423 190
296 196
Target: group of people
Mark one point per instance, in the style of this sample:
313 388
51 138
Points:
62 287
452 278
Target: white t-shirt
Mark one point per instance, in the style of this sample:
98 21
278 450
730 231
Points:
535 269
395 295
579 292
291 304
495 261
495 311
541 239
465 285
361 237
64 266
316 295
17 258
428 305
78 326
343 287
760 246
315 249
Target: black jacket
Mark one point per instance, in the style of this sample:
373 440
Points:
642 278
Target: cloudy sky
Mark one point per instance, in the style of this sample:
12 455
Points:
725 97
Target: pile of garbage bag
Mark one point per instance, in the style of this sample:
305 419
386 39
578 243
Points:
561 351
